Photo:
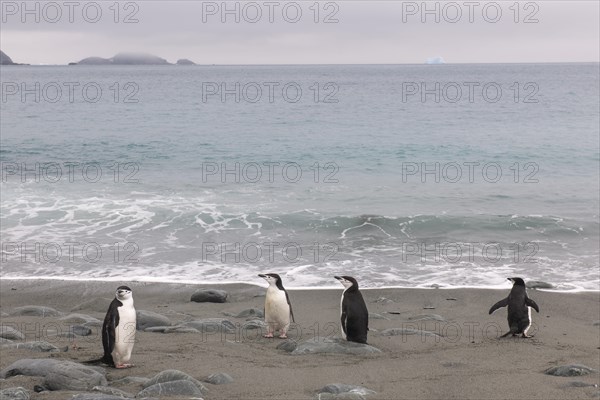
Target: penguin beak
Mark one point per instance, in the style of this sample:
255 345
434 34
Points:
262 275
338 278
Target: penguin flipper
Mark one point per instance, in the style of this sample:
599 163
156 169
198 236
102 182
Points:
111 321
343 318
532 304
289 304
501 303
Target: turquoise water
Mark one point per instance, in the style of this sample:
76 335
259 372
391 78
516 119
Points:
400 175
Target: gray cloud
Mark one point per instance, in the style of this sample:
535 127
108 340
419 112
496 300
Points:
367 32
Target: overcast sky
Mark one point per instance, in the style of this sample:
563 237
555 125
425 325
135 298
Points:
357 32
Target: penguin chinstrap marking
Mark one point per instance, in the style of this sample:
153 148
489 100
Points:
118 330
519 309
353 311
278 309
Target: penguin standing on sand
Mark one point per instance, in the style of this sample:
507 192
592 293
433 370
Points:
118 330
278 309
519 308
354 314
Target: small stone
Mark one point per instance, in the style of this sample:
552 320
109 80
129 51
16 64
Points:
40 346
171 375
429 308
334 346
287 345
128 380
570 370
8 332
251 312
254 324
58 374
451 299
209 296
14 393
219 379
96 396
339 388
580 384
80 330
112 391
148 319
171 388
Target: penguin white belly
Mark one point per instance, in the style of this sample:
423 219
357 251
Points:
341 312
277 309
124 334
528 326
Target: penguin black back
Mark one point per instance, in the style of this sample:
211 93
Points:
354 315
518 303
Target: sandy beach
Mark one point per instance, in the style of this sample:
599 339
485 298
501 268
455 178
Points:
464 359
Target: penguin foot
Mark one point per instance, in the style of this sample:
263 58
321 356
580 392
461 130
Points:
527 336
283 336
121 366
268 335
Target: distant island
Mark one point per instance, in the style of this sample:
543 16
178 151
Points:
130 59
6 60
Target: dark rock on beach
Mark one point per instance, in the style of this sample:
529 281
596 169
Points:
128 380
287 345
219 379
10 333
111 391
40 346
96 396
35 311
209 296
173 375
342 391
338 346
171 388
14 393
58 374
148 319
249 312
570 370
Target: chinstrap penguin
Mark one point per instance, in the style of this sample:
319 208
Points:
278 309
519 308
353 311
118 330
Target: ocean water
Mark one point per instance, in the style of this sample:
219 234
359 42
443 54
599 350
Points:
398 175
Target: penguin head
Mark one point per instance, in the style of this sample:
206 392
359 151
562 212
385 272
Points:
273 279
517 281
124 293
347 281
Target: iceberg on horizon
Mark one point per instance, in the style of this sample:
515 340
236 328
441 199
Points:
436 60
